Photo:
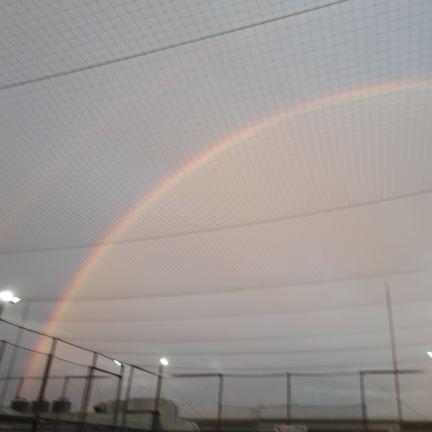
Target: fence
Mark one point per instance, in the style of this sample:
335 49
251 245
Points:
68 373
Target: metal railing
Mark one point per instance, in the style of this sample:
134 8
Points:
208 397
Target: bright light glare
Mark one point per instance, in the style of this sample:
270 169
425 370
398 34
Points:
6 296
15 300
117 362
164 361
429 353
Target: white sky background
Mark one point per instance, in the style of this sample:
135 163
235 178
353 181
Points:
302 294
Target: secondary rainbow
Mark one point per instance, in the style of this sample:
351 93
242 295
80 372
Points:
168 183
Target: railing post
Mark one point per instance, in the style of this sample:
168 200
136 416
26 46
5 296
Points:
127 396
3 345
118 395
363 402
88 388
5 384
44 382
288 397
156 414
15 347
220 402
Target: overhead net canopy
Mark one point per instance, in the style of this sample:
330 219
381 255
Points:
232 185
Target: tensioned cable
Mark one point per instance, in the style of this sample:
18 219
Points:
21 327
166 47
283 313
280 372
267 352
23 348
254 339
261 222
242 288
26 348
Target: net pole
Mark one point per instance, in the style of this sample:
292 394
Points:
220 402
363 402
394 354
288 397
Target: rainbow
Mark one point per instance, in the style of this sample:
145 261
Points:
190 167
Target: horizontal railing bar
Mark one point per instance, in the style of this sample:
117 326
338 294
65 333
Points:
55 377
105 371
201 374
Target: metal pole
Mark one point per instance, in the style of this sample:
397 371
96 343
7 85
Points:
44 382
127 396
88 388
2 349
118 395
157 398
363 402
47 370
220 402
288 397
394 355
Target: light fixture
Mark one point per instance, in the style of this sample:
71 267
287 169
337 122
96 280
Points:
429 353
164 362
6 296
117 362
